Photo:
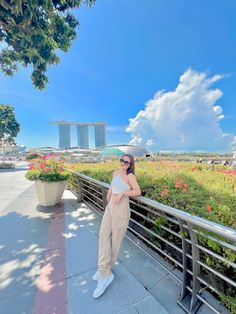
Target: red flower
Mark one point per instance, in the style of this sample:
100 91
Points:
179 184
230 172
209 208
164 192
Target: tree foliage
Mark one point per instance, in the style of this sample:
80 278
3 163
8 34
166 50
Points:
33 30
8 124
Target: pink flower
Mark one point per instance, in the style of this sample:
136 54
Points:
178 185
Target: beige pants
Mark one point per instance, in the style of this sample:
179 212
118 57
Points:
112 231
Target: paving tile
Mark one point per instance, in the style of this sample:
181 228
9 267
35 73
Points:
53 272
20 248
167 292
50 298
56 242
132 257
82 252
150 306
122 293
16 279
131 310
146 306
20 303
52 256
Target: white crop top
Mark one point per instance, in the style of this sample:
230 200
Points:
118 185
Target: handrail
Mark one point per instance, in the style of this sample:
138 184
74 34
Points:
182 226
224 231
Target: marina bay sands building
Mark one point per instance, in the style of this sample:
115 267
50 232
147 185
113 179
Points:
82 134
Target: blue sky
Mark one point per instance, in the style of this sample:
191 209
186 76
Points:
127 51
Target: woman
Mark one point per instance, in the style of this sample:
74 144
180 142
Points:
115 221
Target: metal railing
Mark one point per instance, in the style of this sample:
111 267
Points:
203 250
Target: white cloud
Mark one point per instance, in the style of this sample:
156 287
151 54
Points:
186 118
218 110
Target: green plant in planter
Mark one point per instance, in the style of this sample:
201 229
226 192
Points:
32 156
47 170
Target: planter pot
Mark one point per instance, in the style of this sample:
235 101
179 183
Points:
49 193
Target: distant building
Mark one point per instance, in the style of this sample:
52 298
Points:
57 151
64 135
82 134
43 150
121 149
100 135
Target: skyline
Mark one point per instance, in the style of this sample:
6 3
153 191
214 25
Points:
129 73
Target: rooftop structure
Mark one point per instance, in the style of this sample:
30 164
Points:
121 149
64 128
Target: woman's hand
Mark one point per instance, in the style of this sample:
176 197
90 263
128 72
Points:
118 197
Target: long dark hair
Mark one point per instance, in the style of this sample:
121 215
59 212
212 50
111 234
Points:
131 168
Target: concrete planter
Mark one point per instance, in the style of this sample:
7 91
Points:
49 193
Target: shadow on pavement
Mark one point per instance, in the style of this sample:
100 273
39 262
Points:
22 247
14 170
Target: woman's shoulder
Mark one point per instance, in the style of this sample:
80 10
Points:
115 172
130 176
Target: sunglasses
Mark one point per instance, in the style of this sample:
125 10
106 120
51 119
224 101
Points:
126 162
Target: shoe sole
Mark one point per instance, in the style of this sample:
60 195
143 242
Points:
108 283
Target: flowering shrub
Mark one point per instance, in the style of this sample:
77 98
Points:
47 170
32 156
191 187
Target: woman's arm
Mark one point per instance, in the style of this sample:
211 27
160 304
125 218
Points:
109 195
134 185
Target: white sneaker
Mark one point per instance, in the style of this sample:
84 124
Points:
103 283
96 276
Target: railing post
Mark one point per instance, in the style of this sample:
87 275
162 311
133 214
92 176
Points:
189 301
79 190
185 260
195 302
104 197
